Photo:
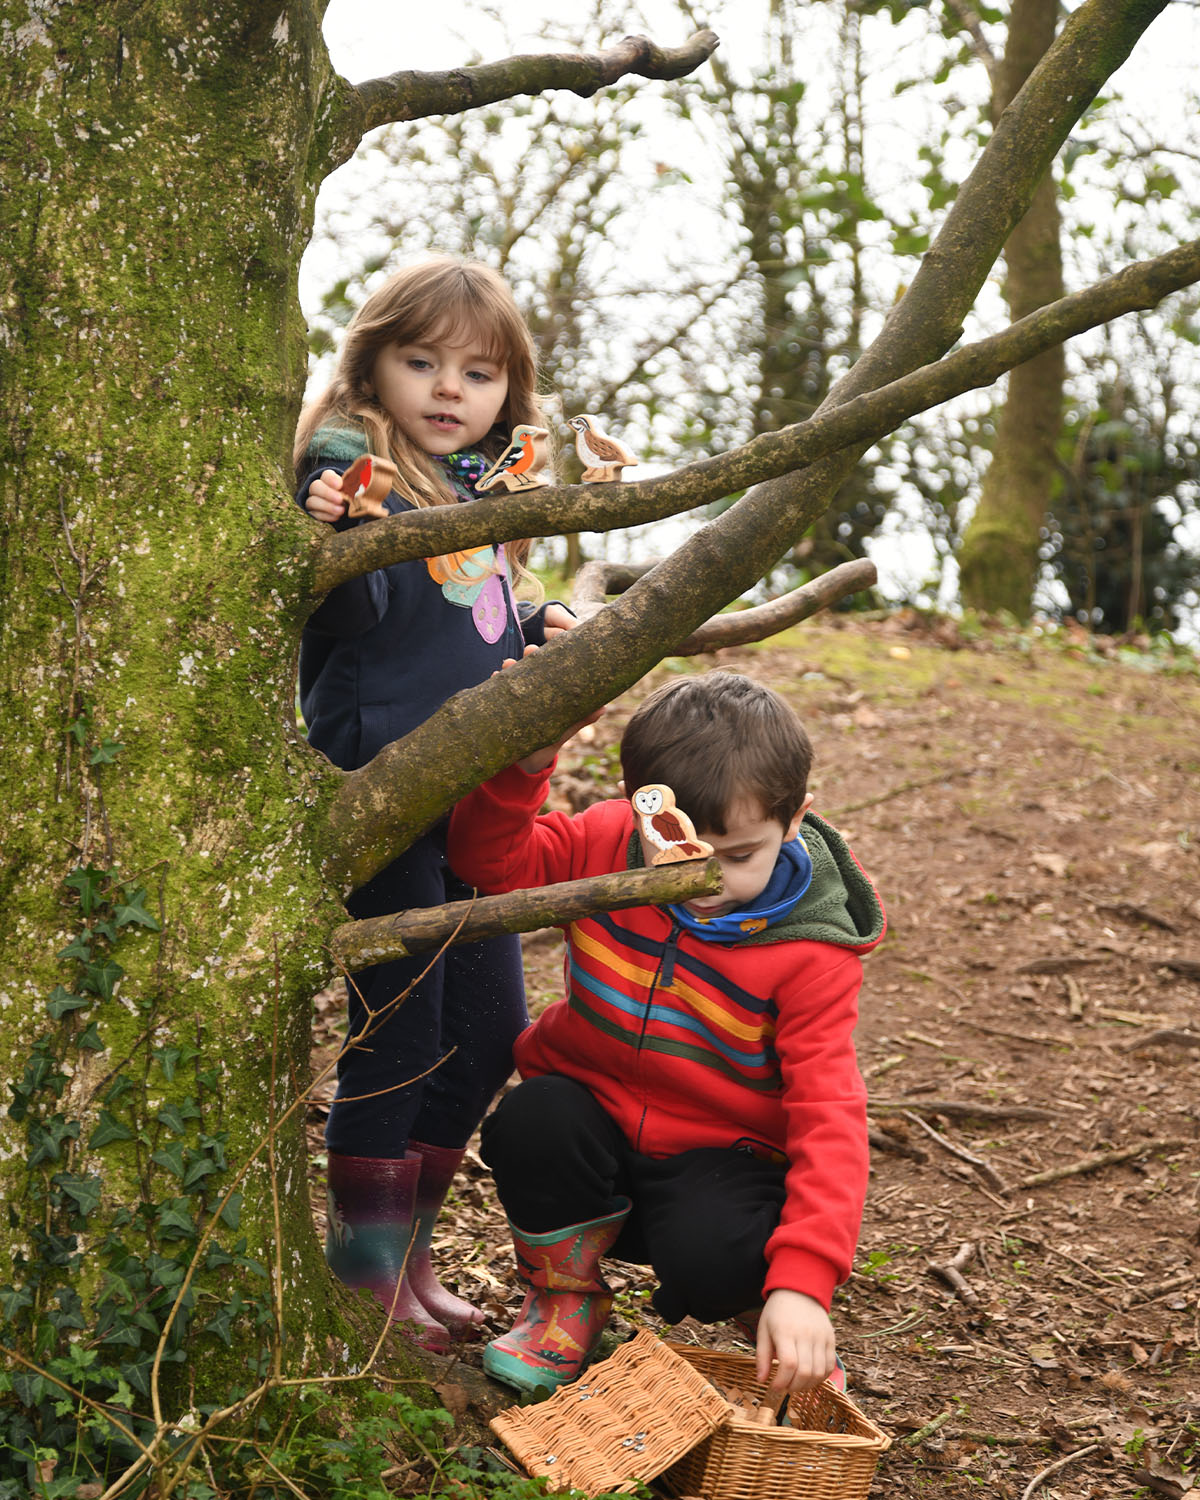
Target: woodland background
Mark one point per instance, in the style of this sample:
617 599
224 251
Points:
700 261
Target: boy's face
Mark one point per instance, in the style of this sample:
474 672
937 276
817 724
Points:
747 850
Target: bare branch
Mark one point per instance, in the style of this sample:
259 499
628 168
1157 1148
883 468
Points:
968 19
859 420
596 580
355 945
415 96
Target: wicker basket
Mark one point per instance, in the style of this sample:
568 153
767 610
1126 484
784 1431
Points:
625 1420
829 1452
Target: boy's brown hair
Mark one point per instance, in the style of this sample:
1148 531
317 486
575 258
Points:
714 739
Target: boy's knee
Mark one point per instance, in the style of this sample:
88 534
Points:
541 1121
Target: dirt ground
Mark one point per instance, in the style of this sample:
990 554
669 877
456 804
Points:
1024 1316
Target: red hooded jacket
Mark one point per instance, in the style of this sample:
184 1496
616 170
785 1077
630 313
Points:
689 1043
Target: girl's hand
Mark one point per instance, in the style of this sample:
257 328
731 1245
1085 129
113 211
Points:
556 620
325 501
795 1330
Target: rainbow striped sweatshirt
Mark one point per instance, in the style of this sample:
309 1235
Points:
688 1043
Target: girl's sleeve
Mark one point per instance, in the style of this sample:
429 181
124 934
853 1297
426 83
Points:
357 606
824 1100
533 620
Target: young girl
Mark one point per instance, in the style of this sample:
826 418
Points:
436 369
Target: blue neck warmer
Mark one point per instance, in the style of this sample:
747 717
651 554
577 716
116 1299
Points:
789 880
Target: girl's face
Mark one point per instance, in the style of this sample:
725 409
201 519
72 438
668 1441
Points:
443 394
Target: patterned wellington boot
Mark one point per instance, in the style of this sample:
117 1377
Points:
438 1166
372 1204
566 1307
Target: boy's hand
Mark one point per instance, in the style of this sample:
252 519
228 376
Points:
795 1330
325 501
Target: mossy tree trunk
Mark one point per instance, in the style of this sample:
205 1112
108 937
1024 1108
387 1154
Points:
998 560
174 855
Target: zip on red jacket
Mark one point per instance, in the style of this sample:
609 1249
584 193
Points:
687 1043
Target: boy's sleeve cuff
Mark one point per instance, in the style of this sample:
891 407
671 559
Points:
802 1271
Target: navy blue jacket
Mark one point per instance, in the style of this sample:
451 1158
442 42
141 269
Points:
385 651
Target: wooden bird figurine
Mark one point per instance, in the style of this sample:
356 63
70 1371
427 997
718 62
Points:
666 829
602 457
517 467
367 483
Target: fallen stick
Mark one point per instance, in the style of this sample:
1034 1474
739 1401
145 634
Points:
960 1109
1161 1289
1042 1037
1170 1036
880 1140
1137 1017
951 1274
952 774
1101 1159
985 1169
1060 1463
928 1430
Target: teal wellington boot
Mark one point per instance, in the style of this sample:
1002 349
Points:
566 1307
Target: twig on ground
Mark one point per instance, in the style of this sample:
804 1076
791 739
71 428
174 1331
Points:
1133 913
1138 1017
1058 1464
1160 1289
1101 1159
1043 1037
1061 963
985 1169
882 1141
928 1430
960 1109
951 1273
905 786
1170 1036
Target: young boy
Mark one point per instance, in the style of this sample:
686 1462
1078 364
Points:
694 1103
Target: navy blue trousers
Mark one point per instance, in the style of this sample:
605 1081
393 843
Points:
434 1059
700 1219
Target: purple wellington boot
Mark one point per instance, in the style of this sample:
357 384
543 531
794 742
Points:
438 1166
372 1206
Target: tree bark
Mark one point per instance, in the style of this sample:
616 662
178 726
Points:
998 560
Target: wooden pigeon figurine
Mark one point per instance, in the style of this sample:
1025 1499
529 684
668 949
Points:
517 467
665 828
602 457
367 483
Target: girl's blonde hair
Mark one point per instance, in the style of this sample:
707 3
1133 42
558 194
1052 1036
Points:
441 298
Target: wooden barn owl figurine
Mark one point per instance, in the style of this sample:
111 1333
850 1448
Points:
367 483
665 828
517 467
602 457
